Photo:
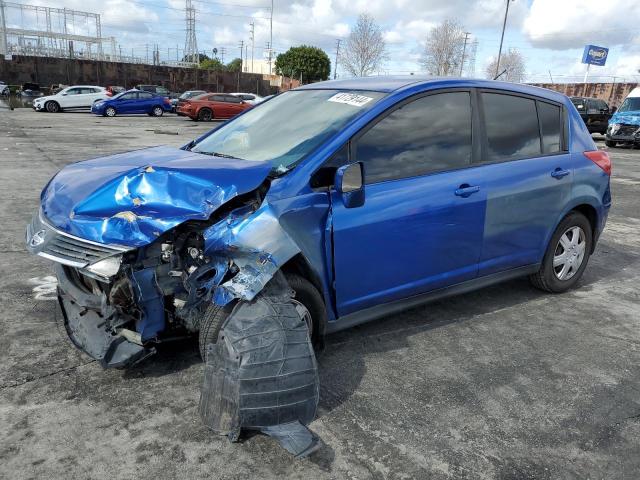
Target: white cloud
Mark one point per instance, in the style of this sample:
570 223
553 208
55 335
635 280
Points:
563 24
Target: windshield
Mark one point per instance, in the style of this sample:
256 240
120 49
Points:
288 127
631 104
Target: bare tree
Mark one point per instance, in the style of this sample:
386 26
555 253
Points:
444 49
512 64
364 51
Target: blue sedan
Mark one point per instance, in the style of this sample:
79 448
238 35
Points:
133 101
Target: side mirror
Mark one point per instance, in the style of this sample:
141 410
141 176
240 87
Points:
64 94
349 183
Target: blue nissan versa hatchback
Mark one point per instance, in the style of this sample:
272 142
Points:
367 195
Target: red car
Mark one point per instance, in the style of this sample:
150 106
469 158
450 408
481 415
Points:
212 106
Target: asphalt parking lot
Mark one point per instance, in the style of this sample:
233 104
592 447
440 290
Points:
505 383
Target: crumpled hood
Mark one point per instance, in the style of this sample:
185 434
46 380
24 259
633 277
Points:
132 198
630 118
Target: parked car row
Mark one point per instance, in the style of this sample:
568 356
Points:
146 99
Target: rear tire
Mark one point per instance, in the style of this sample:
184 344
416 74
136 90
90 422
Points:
110 112
610 143
157 111
52 107
205 115
558 274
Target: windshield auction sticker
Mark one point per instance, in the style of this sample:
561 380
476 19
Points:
350 99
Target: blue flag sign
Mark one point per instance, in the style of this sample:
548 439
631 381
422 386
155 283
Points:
594 55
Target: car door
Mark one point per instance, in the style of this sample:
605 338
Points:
420 227
234 105
71 98
127 103
145 102
527 178
85 98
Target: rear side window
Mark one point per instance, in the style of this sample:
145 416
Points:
232 99
217 98
427 135
144 95
511 125
550 125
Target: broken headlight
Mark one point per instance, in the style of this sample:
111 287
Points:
106 268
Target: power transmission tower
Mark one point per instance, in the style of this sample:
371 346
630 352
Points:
335 69
471 59
191 44
464 50
253 31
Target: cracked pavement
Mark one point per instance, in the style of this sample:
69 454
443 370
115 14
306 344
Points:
506 382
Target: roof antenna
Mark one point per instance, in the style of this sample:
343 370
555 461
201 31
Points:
499 75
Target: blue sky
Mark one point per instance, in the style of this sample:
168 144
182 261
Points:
549 33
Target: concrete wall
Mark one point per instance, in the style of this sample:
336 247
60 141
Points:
612 93
49 71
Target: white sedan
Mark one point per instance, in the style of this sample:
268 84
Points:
250 98
71 98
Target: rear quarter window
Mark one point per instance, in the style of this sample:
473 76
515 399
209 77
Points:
551 127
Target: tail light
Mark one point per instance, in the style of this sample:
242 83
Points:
167 101
601 159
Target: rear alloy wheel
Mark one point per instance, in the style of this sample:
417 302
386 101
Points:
110 112
52 107
566 256
157 111
610 143
205 115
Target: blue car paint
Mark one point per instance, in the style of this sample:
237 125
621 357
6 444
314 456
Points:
135 106
161 187
402 242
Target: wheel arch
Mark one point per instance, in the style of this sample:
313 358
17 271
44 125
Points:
591 213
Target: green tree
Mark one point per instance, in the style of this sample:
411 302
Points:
212 64
312 63
201 56
234 65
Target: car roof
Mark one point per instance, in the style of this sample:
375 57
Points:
84 86
394 83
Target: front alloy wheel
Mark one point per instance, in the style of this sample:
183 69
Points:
110 112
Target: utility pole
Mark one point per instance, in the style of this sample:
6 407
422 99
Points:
253 32
246 57
464 50
241 62
335 68
504 25
270 36
222 52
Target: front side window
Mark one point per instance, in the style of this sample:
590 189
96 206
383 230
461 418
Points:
511 125
128 96
550 124
144 95
73 91
427 135
288 127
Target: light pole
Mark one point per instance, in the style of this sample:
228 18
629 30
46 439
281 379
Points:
504 25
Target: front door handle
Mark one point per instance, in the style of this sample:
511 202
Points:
465 190
559 173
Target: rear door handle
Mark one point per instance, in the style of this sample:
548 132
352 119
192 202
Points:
465 190
559 173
